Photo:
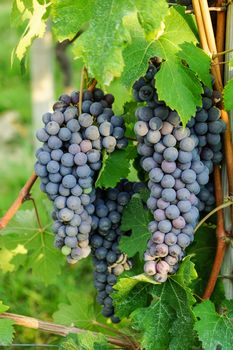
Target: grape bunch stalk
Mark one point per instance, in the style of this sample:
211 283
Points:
108 260
172 157
69 160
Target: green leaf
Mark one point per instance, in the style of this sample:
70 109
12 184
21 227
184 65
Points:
176 32
3 307
90 341
6 332
20 11
32 248
184 99
69 343
197 60
79 311
129 294
70 16
35 16
121 94
115 167
137 53
101 44
150 22
228 95
135 218
169 317
214 330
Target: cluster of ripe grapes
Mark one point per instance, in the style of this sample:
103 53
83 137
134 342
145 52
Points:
178 162
109 262
69 160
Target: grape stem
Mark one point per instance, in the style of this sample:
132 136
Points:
219 63
54 328
23 195
36 211
222 52
224 205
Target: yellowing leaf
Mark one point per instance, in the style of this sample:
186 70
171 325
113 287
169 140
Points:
35 27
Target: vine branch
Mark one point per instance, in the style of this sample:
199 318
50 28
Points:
23 195
208 43
58 329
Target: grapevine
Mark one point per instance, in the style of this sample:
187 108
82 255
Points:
129 227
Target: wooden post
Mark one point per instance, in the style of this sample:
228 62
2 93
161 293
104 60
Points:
227 267
42 82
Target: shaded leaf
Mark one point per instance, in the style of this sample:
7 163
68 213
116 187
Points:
136 219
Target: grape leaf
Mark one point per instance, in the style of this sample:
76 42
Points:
70 16
184 100
150 22
35 27
37 251
214 330
69 343
136 54
20 11
101 44
121 94
135 218
115 167
90 341
129 294
228 95
3 307
197 60
6 332
176 32
170 314
173 73
79 311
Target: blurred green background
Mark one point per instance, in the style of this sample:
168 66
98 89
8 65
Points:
19 289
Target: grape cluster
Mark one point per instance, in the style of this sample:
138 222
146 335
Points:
170 155
69 159
109 262
208 127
